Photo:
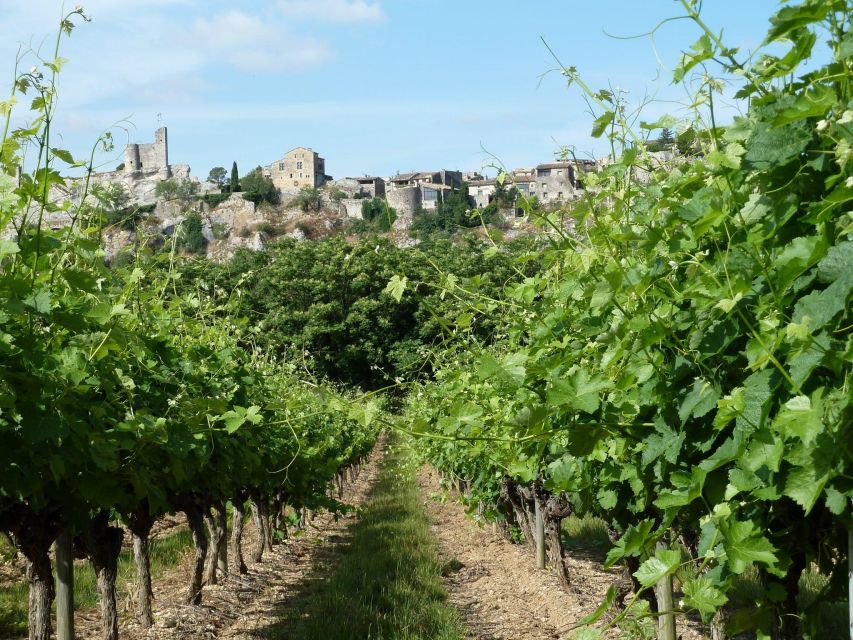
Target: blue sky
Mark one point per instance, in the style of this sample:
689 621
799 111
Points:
376 86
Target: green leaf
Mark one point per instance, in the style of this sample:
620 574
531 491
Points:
745 546
396 287
804 486
701 50
632 542
795 17
699 401
822 306
799 418
771 147
587 633
729 408
836 501
701 594
845 46
601 123
39 302
837 262
605 605
797 257
63 155
664 563
8 247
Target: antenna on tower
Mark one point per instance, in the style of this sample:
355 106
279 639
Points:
159 118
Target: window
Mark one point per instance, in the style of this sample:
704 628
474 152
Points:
298 165
559 195
291 175
523 188
281 166
543 173
430 195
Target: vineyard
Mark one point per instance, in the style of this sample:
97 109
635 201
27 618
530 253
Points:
681 367
671 357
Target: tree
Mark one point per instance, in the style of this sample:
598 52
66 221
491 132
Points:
259 188
377 215
217 176
183 190
190 235
308 199
235 178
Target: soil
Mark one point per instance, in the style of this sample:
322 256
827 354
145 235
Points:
498 589
242 607
493 582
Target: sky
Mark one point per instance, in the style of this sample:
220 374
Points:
375 86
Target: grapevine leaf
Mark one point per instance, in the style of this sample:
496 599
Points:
605 605
39 302
601 123
770 147
587 633
788 19
799 418
804 486
837 262
632 542
396 287
745 545
8 247
822 306
699 401
588 390
701 594
663 563
836 501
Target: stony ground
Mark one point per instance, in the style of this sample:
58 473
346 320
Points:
493 583
496 585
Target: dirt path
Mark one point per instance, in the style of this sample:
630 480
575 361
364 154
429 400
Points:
244 607
497 588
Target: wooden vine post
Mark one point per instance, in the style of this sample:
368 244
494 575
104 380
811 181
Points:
64 586
666 618
539 534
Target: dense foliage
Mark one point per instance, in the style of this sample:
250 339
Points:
682 366
326 298
259 188
121 397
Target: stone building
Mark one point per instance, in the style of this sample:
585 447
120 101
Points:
149 157
482 191
555 182
370 186
431 184
300 167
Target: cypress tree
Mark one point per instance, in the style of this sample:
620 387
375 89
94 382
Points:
235 178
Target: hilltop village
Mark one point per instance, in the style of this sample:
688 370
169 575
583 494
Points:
296 197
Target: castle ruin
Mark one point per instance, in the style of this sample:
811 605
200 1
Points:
150 157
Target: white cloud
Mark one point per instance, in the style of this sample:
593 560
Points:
333 10
251 44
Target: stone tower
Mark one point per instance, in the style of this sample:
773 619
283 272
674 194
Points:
150 157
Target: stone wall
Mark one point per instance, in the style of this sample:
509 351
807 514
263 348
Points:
351 207
149 157
404 200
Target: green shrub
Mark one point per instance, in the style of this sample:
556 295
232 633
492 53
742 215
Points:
190 236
